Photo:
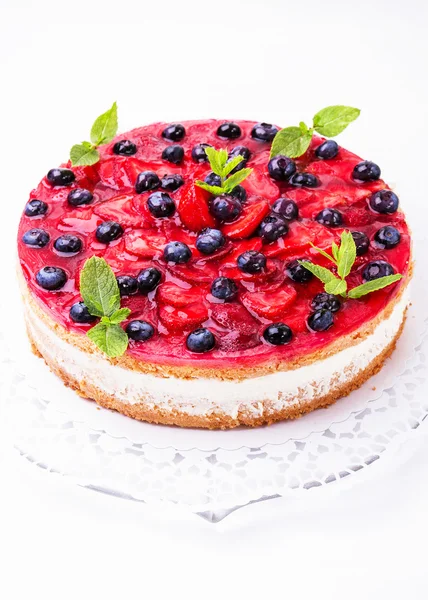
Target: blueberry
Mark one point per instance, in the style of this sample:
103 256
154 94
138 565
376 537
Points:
376 269
36 208
251 261
366 171
272 228
320 320
51 278
286 208
307 180
240 151
210 240
68 244
281 167
297 272
230 131
224 288
60 176
173 154
161 205
278 334
388 237
330 217
328 149
146 181
148 279
127 285
213 179
125 148
264 132
171 183
177 252
139 331
198 153
362 242
108 231
175 132
79 196
79 313
200 340
324 301
239 192
36 238
384 202
225 207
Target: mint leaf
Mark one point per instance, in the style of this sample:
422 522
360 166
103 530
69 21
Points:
323 252
336 287
212 189
291 141
231 164
117 317
334 250
303 127
373 286
321 273
98 287
217 159
346 254
111 339
105 127
235 179
333 120
84 154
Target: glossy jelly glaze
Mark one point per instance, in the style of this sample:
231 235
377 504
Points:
183 301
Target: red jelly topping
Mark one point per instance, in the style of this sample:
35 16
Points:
183 301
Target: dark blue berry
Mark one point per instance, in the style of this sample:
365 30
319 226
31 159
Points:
79 197
362 242
264 132
225 207
307 180
36 238
213 179
161 205
198 153
125 148
388 237
288 209
239 192
108 232
200 340
173 154
146 181
328 149
324 301
127 285
79 313
51 278
240 151
60 176
36 208
281 167
366 171
376 269
177 252
210 240
272 228
224 288
148 279
175 132
68 244
251 261
139 331
278 334
171 182
384 202
320 320
330 217
230 131
297 272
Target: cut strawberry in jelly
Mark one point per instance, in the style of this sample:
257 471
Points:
120 209
260 184
247 223
193 208
141 243
234 317
183 319
270 304
172 294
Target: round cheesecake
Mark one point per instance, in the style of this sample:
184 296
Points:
226 326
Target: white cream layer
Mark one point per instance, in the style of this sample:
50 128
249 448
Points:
204 396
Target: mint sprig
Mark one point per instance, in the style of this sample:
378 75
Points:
329 122
222 167
102 132
100 293
343 257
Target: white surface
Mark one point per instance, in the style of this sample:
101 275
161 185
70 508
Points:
61 65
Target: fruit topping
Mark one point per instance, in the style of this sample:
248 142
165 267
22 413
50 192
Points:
175 132
139 331
125 148
177 252
108 232
60 177
239 192
146 181
324 301
79 313
161 205
128 285
36 238
200 340
240 151
251 262
193 208
210 240
330 217
224 288
366 171
281 168
51 278
362 242
173 154
148 279
177 320
327 150
230 131
264 132
170 183
198 153
376 269
272 228
177 296
387 237
321 320
286 208
270 304
252 215
80 197
225 207
384 202
298 272
36 208
68 244
307 180
278 334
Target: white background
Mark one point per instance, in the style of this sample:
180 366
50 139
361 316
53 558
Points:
63 63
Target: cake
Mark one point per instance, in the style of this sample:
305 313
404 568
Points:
212 305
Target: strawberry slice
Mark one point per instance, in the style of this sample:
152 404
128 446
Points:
270 304
193 208
300 236
176 296
182 319
250 219
120 209
260 184
241 247
234 317
198 272
144 243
